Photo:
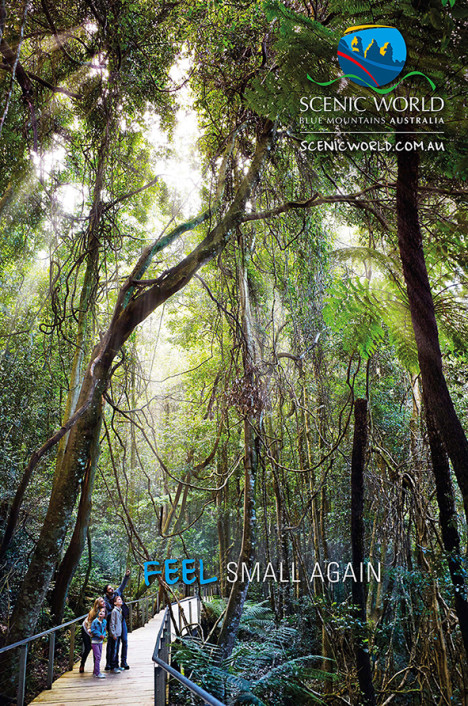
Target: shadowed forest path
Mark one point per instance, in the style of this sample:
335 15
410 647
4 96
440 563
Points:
134 687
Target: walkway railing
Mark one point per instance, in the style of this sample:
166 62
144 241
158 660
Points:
161 656
140 612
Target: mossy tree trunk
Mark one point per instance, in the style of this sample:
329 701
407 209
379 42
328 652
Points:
239 588
361 642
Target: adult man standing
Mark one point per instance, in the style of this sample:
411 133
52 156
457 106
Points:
108 596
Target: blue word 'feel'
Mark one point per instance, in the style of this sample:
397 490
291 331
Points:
171 571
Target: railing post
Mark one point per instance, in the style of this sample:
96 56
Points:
22 675
130 618
157 603
165 656
160 673
167 646
162 679
50 664
157 679
190 611
71 657
147 609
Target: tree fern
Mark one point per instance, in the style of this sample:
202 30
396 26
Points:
264 667
367 312
372 312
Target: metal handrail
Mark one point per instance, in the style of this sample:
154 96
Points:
194 688
59 627
41 634
23 645
163 624
161 646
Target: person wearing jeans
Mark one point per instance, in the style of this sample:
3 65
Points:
124 640
115 631
108 596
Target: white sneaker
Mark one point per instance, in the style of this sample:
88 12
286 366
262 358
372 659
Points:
116 670
99 676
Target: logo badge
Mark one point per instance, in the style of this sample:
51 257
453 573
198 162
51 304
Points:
372 55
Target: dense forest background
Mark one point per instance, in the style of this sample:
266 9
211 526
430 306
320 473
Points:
215 345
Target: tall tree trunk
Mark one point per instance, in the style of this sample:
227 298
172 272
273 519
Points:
311 477
238 594
82 602
222 521
234 608
85 312
131 309
361 645
448 524
436 393
62 501
70 561
282 548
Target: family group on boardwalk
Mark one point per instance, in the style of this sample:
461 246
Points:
108 617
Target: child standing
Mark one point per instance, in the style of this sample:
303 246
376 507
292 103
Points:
115 632
85 630
109 599
98 633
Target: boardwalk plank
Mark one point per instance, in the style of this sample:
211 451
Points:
134 687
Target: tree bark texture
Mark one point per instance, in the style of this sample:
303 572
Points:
448 524
238 594
68 565
436 394
62 501
361 648
222 521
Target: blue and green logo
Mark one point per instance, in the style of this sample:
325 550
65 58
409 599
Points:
372 54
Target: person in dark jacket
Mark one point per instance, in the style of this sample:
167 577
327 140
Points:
108 596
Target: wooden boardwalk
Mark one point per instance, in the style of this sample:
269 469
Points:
134 687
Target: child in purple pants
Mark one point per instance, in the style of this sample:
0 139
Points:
98 633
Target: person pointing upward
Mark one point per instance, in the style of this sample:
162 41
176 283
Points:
109 594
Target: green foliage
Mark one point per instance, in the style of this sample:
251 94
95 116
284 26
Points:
264 667
326 325
370 316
